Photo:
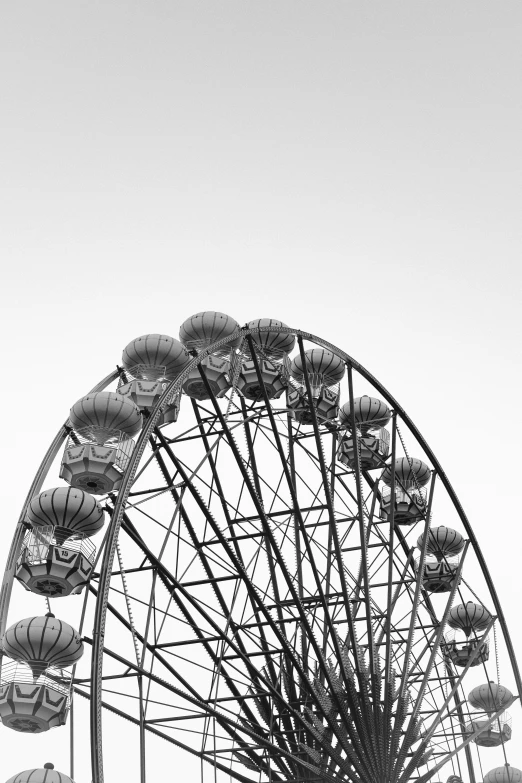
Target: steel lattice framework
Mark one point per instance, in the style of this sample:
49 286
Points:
251 604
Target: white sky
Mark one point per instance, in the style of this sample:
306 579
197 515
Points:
351 168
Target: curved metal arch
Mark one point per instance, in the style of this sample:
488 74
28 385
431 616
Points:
116 520
41 474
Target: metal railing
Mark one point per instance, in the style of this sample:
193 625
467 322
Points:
476 718
450 642
144 372
413 494
380 433
368 428
50 676
334 390
39 543
448 564
114 439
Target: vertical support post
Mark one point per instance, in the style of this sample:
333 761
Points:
71 738
143 771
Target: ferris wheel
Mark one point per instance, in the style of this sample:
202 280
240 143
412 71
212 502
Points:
279 578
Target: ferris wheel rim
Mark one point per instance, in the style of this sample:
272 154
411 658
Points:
170 392
115 523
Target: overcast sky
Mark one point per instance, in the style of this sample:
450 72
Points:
352 168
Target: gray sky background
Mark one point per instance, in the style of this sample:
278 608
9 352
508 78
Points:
352 168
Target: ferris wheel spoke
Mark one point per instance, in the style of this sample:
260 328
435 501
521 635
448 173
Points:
217 659
152 730
362 535
455 686
303 532
152 648
215 475
207 618
231 507
214 526
272 564
416 600
435 647
229 724
292 490
390 599
237 550
257 502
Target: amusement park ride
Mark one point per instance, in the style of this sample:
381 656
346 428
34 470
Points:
280 581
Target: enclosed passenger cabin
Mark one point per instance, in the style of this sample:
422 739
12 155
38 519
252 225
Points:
35 691
150 362
471 619
489 699
57 556
198 333
322 372
100 445
409 501
271 349
441 564
372 441
32 704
